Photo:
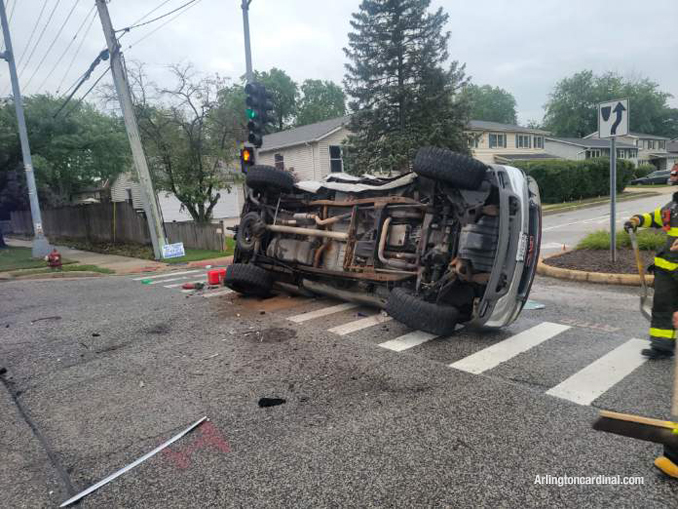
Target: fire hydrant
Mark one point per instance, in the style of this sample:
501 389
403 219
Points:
54 259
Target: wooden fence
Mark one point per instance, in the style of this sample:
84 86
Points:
116 223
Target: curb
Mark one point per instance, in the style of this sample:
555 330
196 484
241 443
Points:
590 277
55 275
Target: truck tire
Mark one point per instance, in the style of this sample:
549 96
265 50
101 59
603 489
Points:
444 165
418 314
260 178
248 279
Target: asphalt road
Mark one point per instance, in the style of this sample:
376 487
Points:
568 228
99 372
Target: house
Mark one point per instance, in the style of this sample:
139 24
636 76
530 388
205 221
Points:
313 151
493 142
587 148
651 148
126 188
91 194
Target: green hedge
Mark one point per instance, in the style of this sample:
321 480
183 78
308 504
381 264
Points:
563 180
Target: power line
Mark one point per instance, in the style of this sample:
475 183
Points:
150 12
49 20
77 52
102 56
30 38
63 54
192 4
127 29
42 60
86 93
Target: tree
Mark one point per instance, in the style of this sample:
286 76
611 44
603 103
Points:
402 95
493 104
321 100
572 108
187 137
78 148
284 92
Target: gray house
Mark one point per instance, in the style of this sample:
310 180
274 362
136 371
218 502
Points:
587 148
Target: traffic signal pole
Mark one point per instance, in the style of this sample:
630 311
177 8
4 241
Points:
249 72
41 246
150 203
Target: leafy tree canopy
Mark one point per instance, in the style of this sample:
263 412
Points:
321 100
402 89
492 104
78 148
573 104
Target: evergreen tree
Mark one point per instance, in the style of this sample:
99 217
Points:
403 92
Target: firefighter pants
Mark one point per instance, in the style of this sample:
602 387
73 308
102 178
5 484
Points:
664 304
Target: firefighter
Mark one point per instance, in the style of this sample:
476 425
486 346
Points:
665 302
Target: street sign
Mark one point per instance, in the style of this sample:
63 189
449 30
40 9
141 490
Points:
613 118
173 250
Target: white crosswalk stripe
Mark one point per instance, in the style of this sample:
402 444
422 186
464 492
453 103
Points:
181 284
597 378
166 274
408 340
357 325
319 313
494 355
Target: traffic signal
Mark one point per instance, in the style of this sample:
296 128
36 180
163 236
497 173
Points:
258 103
246 158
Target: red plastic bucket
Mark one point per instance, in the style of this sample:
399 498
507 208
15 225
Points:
216 277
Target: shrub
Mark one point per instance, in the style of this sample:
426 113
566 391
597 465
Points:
562 180
648 240
643 170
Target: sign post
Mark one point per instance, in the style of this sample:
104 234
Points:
613 121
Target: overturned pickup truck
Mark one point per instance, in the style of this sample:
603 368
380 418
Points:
453 241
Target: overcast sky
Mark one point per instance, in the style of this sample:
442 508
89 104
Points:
523 46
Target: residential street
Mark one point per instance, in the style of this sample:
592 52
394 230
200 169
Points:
105 370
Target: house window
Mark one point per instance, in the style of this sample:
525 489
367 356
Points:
336 162
497 140
538 142
661 145
279 161
592 153
522 141
129 194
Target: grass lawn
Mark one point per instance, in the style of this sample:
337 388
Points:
646 186
648 240
12 258
65 268
146 252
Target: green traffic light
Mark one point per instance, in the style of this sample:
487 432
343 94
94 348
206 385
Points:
251 114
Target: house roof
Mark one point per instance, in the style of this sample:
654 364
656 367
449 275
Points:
524 157
631 133
672 146
484 125
589 142
314 132
304 134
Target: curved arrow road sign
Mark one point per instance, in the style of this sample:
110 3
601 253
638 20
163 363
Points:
613 118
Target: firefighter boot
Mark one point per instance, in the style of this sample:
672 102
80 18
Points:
668 463
660 348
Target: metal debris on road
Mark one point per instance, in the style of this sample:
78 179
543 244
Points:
129 467
530 304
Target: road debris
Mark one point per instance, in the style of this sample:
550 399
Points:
46 318
530 304
267 402
129 467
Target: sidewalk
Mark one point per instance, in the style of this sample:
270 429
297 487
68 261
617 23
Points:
119 264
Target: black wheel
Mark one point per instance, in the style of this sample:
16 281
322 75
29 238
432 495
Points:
269 178
414 312
250 228
442 164
248 279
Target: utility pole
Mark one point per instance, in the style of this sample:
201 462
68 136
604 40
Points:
40 245
613 200
150 204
